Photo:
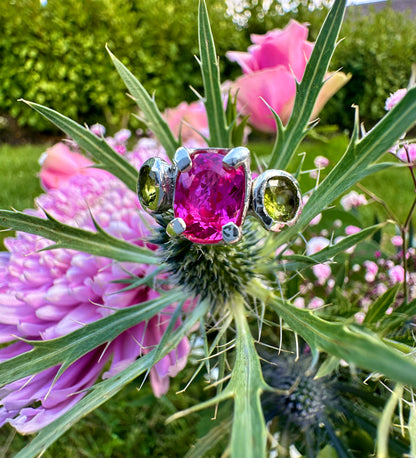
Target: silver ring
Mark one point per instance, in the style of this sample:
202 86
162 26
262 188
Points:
210 191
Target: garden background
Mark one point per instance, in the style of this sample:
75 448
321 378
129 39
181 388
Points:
55 55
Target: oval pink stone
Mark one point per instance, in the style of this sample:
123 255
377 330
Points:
208 196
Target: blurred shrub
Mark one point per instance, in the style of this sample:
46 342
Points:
55 55
379 49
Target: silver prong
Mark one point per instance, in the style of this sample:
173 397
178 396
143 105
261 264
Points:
231 233
236 157
182 159
175 227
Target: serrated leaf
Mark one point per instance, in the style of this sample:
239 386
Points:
297 262
353 343
354 164
101 152
249 432
97 243
248 435
217 124
152 116
67 349
307 91
104 390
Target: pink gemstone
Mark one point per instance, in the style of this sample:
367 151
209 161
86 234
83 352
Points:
208 196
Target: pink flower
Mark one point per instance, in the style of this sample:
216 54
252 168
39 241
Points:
394 99
397 240
48 294
321 162
396 274
353 200
371 271
316 244
407 153
350 230
189 122
59 164
316 302
271 68
98 130
322 272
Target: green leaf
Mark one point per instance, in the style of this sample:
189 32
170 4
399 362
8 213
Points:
248 435
378 309
350 342
98 243
104 390
356 161
297 262
67 349
152 116
307 91
104 156
217 124
210 440
249 432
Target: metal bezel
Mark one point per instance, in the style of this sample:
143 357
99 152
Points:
164 176
259 187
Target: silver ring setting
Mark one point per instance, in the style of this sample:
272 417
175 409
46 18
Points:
211 191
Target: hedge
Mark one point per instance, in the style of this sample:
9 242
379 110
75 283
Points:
55 55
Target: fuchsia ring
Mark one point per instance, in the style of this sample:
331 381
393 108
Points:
211 191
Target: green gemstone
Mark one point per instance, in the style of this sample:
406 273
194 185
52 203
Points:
148 188
281 199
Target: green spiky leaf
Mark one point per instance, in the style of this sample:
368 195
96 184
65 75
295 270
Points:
69 348
289 137
98 243
214 106
102 153
150 111
356 161
104 390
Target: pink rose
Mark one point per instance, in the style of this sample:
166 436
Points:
272 66
189 121
59 164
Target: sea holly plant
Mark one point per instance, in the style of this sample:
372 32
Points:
92 286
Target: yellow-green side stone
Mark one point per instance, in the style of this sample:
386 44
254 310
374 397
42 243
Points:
280 200
148 188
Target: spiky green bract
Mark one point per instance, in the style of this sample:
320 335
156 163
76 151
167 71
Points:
213 272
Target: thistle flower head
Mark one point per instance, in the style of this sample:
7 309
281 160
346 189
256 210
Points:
211 271
304 399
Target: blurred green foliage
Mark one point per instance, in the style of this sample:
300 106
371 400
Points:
55 55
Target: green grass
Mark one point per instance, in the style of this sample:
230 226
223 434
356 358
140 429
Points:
18 178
